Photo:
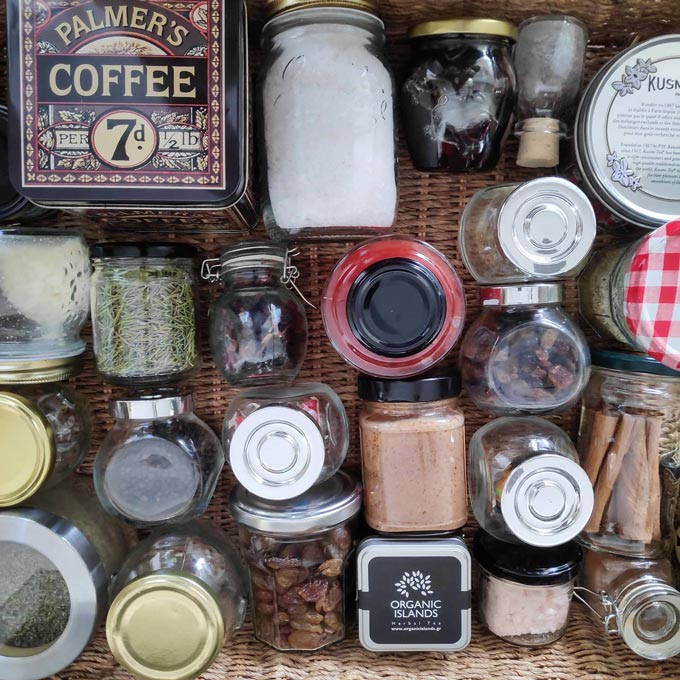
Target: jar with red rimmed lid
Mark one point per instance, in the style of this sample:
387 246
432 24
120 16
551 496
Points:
393 307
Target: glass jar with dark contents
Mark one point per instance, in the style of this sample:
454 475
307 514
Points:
459 94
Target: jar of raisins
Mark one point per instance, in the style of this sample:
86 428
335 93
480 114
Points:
297 552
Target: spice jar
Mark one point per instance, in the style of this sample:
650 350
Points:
159 463
458 96
524 355
56 559
144 316
393 307
327 112
633 598
526 484
413 454
44 293
629 443
297 552
258 327
176 599
536 230
525 592
284 440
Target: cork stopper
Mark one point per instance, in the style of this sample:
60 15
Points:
539 143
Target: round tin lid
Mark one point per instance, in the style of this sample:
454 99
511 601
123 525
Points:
527 294
277 452
546 227
547 500
31 371
619 136
148 408
275 7
332 502
632 363
27 449
464 25
165 626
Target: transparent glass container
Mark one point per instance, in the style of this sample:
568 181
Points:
413 454
298 556
44 293
629 444
524 354
177 598
327 132
159 463
283 440
258 326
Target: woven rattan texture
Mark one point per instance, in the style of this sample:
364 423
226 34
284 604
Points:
430 207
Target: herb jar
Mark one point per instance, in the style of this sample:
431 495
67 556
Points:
44 293
633 598
524 355
393 307
284 440
144 315
327 121
525 592
258 326
297 552
159 463
175 601
526 484
56 559
413 454
542 229
458 97
629 443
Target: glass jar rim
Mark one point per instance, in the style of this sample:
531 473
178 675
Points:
253 254
525 294
151 407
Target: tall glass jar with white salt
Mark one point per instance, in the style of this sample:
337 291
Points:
327 131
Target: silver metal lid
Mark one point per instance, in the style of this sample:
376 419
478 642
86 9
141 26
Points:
148 408
531 294
277 452
547 500
546 227
336 500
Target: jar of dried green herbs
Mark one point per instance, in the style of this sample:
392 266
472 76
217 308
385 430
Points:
144 313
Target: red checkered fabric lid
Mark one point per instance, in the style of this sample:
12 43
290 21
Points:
652 295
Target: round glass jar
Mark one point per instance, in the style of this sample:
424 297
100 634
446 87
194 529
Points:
297 552
458 97
56 559
44 293
525 593
258 327
327 128
144 313
526 484
393 307
283 440
536 230
413 454
159 463
629 444
175 601
524 355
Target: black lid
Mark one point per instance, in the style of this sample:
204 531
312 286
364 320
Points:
428 388
527 564
396 307
160 250
632 363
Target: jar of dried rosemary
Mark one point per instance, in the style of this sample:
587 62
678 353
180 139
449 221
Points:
144 316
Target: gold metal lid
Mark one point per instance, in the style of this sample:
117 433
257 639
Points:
469 25
165 626
27 449
39 371
276 7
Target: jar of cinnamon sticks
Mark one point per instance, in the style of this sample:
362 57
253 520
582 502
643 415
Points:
628 446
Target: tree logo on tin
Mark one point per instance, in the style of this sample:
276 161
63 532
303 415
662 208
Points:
416 582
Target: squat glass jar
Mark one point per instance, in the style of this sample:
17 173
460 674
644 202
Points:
458 97
297 552
524 355
175 601
258 327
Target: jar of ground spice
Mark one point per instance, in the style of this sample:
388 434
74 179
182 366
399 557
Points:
413 454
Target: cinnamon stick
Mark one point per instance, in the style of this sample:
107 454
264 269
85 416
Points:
601 433
653 432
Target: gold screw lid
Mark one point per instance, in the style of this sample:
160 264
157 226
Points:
165 626
276 7
27 449
39 371
469 25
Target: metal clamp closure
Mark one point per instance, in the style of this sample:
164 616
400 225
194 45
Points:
291 274
609 614
210 269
